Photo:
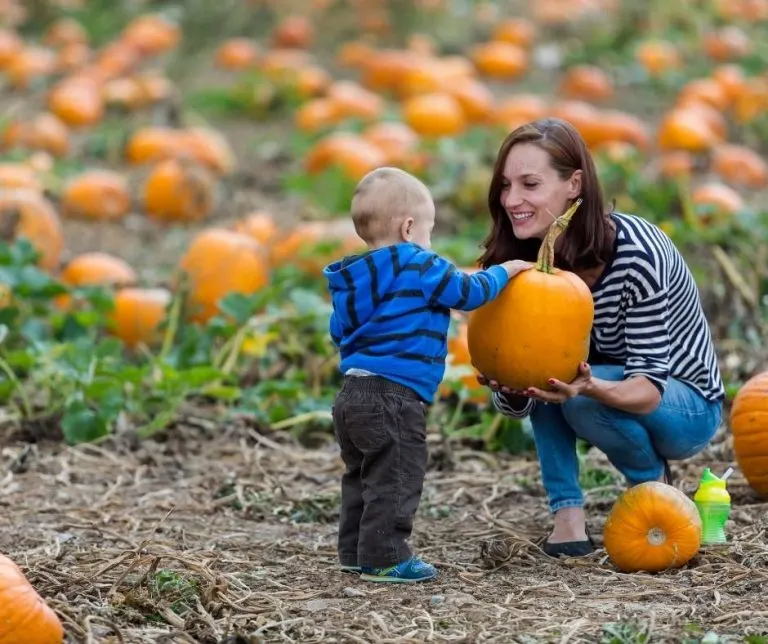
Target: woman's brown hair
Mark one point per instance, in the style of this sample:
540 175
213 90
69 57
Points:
588 240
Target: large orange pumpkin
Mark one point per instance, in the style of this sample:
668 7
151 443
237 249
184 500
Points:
24 616
651 527
538 327
219 262
749 425
26 213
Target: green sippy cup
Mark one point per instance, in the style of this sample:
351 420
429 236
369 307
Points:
714 505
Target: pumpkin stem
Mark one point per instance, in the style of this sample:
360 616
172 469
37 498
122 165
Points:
656 536
546 258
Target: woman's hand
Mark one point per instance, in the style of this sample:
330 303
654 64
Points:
564 391
495 386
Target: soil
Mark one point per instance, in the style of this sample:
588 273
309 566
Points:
219 533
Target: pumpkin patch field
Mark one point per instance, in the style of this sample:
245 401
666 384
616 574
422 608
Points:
174 176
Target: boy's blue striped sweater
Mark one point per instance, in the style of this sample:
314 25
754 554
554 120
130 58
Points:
391 311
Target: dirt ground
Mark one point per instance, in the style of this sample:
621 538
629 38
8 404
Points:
224 534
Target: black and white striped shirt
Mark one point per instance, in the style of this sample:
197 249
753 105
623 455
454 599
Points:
648 316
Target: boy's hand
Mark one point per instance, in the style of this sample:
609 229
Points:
515 266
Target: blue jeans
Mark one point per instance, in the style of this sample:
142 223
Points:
636 444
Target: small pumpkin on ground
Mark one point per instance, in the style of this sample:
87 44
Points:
95 269
179 191
538 327
138 314
26 213
24 616
97 194
749 425
652 527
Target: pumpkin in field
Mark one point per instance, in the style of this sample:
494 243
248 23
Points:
538 327
24 616
43 132
219 262
651 527
458 350
26 213
95 269
749 425
177 190
434 115
260 226
77 101
97 194
138 313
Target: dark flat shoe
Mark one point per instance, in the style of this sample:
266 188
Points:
570 548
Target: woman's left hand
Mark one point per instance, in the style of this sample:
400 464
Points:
564 391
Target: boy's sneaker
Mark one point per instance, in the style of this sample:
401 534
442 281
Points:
406 572
350 569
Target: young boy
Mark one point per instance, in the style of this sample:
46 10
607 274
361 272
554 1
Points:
391 311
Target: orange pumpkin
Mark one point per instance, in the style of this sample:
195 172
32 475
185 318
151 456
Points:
587 82
259 226
97 268
19 175
177 190
518 31
685 129
658 56
26 213
500 59
434 115
538 327
350 152
237 54
219 262
138 314
738 165
43 132
458 352
151 34
92 269
718 198
77 101
652 527
24 615
97 194
749 425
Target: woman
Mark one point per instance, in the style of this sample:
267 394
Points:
652 390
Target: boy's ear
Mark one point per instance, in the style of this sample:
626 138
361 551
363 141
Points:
406 228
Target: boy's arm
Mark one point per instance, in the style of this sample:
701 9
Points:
443 284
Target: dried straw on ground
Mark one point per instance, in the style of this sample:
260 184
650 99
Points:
224 535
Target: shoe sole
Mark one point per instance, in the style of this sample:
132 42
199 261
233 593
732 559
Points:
394 580
350 569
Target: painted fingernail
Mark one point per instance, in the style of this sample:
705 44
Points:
551 381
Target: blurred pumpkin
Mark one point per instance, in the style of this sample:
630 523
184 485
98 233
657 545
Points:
350 152
179 191
95 269
138 314
219 262
716 201
434 115
96 194
237 54
26 213
77 101
259 226
652 527
151 34
499 59
19 175
587 82
740 166
44 131
749 425
24 615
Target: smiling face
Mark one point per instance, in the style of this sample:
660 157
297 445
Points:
533 194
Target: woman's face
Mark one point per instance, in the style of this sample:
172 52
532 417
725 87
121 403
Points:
532 192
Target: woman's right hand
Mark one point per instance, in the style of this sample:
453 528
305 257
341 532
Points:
495 386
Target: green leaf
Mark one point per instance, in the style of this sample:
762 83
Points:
221 392
80 424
